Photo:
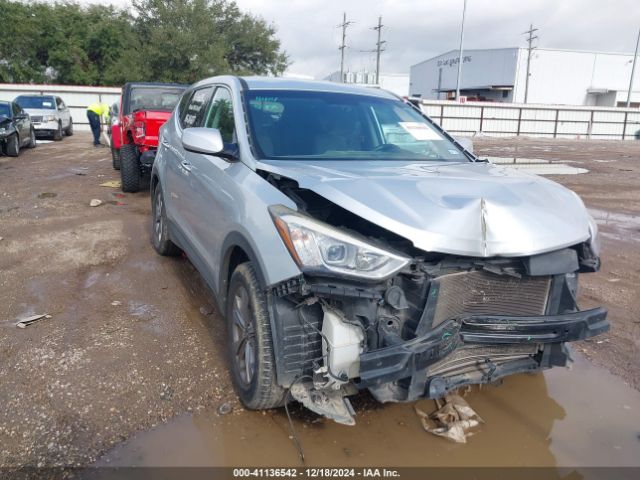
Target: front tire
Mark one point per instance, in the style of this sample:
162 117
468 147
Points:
161 241
12 147
57 134
129 168
115 158
251 356
32 139
69 131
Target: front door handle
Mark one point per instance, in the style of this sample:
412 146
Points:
186 165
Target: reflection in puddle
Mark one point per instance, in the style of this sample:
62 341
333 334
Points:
578 417
537 166
620 226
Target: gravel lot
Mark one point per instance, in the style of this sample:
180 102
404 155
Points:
134 338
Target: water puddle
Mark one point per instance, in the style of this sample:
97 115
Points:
618 226
537 166
578 417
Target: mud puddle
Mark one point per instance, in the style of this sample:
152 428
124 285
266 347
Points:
578 417
619 226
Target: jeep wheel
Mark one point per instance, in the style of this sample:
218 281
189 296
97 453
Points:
12 147
32 139
161 241
115 158
129 168
69 130
253 369
57 134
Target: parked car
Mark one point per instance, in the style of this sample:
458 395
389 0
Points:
16 130
145 107
353 244
49 114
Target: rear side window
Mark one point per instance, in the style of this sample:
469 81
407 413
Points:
220 115
193 114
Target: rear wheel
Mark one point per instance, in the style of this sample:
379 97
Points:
161 241
32 139
13 145
57 134
253 368
115 158
129 168
69 130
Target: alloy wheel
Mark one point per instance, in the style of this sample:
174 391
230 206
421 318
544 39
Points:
243 336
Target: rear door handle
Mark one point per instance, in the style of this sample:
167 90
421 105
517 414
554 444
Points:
186 165
165 143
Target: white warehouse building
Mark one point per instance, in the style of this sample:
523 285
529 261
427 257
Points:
565 77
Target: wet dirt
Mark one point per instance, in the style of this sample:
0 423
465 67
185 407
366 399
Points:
531 420
136 344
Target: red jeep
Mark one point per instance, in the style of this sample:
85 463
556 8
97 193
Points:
134 140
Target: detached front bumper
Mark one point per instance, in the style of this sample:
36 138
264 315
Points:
418 367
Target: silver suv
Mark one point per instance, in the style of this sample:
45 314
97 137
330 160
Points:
353 244
49 114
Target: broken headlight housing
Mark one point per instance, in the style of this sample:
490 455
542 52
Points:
321 249
594 240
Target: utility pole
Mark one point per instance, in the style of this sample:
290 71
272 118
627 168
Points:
379 49
530 50
464 11
342 47
633 71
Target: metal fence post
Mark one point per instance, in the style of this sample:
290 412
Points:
519 121
555 124
624 125
481 117
590 126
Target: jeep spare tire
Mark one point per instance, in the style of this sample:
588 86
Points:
129 168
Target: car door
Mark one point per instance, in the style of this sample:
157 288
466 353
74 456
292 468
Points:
179 178
22 123
63 112
211 196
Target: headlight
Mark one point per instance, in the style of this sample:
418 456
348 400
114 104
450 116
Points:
49 118
321 249
594 239
3 131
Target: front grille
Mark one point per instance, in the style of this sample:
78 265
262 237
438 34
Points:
36 118
485 293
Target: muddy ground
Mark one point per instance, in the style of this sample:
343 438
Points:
134 339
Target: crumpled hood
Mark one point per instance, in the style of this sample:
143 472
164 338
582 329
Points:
471 209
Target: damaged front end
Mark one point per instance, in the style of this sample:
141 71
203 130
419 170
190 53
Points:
372 312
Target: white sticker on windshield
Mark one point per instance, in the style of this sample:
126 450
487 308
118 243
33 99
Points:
47 104
420 131
454 152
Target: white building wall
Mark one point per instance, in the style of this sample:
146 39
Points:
480 68
76 97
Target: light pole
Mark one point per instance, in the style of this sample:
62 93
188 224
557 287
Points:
464 11
633 71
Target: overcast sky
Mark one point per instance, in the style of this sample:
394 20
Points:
419 29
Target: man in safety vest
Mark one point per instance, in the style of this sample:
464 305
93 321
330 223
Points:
95 111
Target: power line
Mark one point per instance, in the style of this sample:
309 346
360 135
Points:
342 47
530 50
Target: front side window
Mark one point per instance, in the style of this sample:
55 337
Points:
220 115
36 102
193 114
300 125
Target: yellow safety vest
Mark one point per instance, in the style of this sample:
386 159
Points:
101 109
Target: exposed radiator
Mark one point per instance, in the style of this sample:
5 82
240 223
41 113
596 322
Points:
480 292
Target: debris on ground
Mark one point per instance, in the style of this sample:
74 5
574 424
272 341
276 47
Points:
1 238
25 322
112 184
95 202
116 303
452 420
47 195
225 409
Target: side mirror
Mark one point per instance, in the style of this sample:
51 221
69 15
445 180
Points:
466 142
202 140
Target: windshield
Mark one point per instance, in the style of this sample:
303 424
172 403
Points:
37 102
160 98
338 126
5 111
